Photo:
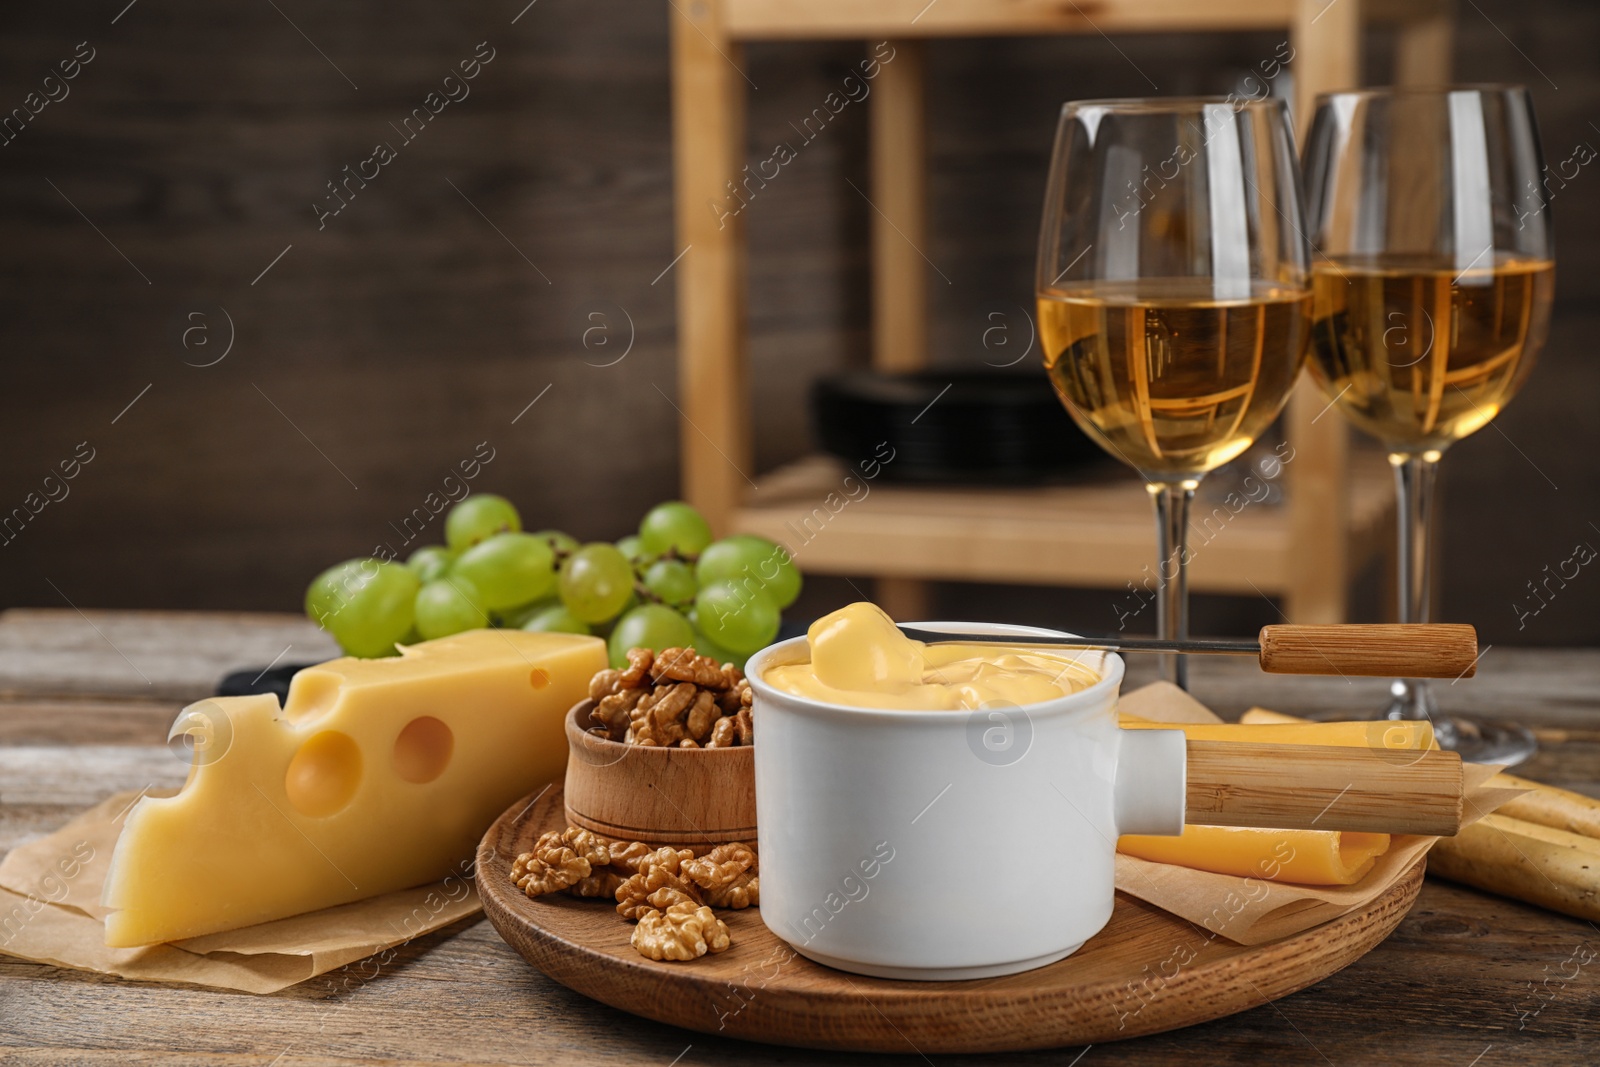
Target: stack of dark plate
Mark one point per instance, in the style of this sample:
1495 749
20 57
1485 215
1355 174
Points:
951 427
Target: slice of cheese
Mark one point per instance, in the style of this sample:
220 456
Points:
376 775
1309 857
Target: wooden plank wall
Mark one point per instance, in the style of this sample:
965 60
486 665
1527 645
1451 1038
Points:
526 224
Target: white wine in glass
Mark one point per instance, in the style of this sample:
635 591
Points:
1173 294
1433 285
1422 354
1167 377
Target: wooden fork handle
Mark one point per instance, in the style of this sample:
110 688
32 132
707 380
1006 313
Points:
1388 650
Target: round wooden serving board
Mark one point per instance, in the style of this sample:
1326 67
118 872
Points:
761 990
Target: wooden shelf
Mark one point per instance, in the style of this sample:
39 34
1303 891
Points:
756 20
823 19
1096 534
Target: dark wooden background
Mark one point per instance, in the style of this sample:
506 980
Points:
379 351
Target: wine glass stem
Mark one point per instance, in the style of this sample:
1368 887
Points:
1416 479
1172 500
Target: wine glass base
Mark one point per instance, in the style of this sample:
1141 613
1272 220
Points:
1476 741
1485 742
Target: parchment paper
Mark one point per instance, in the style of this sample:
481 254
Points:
50 912
1252 911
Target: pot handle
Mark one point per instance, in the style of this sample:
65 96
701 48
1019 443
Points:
1151 780
1323 787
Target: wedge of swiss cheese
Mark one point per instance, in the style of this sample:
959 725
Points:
376 775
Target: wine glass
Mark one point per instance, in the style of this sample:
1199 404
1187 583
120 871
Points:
1433 285
1173 293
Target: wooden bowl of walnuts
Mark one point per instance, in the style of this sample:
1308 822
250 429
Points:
661 752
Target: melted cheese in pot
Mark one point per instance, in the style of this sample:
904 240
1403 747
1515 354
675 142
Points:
860 659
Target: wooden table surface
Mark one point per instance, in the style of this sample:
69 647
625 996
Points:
1468 980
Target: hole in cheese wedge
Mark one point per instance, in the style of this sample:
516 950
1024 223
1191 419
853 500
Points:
422 751
323 776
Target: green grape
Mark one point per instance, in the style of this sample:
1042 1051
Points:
654 626
478 518
509 569
728 560
513 618
326 593
560 542
778 569
674 526
554 619
707 647
449 606
738 617
749 560
365 604
629 546
672 580
431 562
603 629
596 582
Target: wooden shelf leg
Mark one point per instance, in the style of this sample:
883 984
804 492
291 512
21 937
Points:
1422 58
905 599
1327 57
899 161
708 157
1423 47
899 225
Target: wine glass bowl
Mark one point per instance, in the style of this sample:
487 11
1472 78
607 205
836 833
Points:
1173 293
1433 283
1420 354
1166 376
1434 279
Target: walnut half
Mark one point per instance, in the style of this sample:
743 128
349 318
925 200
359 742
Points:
559 859
656 871
743 892
685 931
720 866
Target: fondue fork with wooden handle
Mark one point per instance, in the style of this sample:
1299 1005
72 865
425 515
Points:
1387 650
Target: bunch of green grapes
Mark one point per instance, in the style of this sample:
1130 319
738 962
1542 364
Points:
669 585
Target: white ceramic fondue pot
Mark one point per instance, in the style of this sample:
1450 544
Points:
951 844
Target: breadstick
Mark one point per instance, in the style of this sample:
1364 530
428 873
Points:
1549 806
1551 868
